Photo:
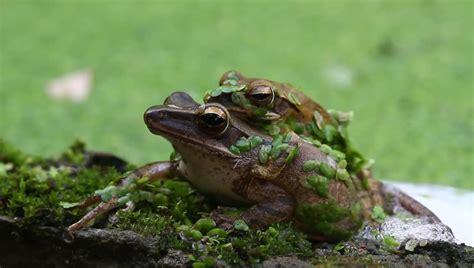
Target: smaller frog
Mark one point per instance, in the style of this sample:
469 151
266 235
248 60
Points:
277 107
261 99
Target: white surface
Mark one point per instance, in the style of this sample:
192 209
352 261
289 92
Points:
453 206
74 86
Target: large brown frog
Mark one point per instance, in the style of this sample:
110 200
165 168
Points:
279 178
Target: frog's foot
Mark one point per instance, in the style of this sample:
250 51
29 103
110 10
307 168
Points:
225 217
272 204
401 202
100 209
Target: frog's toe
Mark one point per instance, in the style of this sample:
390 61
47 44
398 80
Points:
223 220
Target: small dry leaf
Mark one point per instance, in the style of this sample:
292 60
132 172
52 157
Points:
74 86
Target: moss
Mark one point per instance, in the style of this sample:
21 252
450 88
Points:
323 219
252 246
45 191
149 223
378 214
34 188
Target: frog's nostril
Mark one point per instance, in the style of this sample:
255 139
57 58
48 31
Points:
161 115
154 114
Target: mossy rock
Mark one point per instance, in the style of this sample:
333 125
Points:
35 195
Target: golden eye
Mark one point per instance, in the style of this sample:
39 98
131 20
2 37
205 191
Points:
213 119
261 93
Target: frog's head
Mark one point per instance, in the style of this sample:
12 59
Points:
186 124
254 99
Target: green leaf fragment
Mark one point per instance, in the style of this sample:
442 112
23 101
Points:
142 180
232 75
337 154
277 149
123 200
339 246
194 234
326 170
342 174
106 193
329 132
342 117
4 168
355 211
378 214
233 149
204 225
319 185
277 140
259 111
263 153
241 225
318 119
271 231
312 141
296 126
310 165
160 199
325 149
255 141
390 241
243 144
342 164
365 184
239 99
292 153
230 82
294 99
217 232
274 130
68 205
287 137
216 92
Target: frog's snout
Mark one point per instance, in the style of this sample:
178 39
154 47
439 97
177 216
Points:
154 115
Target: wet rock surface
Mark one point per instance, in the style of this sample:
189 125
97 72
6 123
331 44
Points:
39 246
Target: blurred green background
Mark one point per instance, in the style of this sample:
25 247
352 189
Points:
404 67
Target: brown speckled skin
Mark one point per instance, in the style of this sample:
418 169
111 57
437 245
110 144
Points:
282 106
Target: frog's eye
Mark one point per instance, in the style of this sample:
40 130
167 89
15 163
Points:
213 120
261 93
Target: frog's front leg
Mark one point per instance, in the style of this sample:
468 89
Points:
153 171
272 204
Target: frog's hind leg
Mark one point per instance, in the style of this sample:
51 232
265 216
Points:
272 204
153 171
401 201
